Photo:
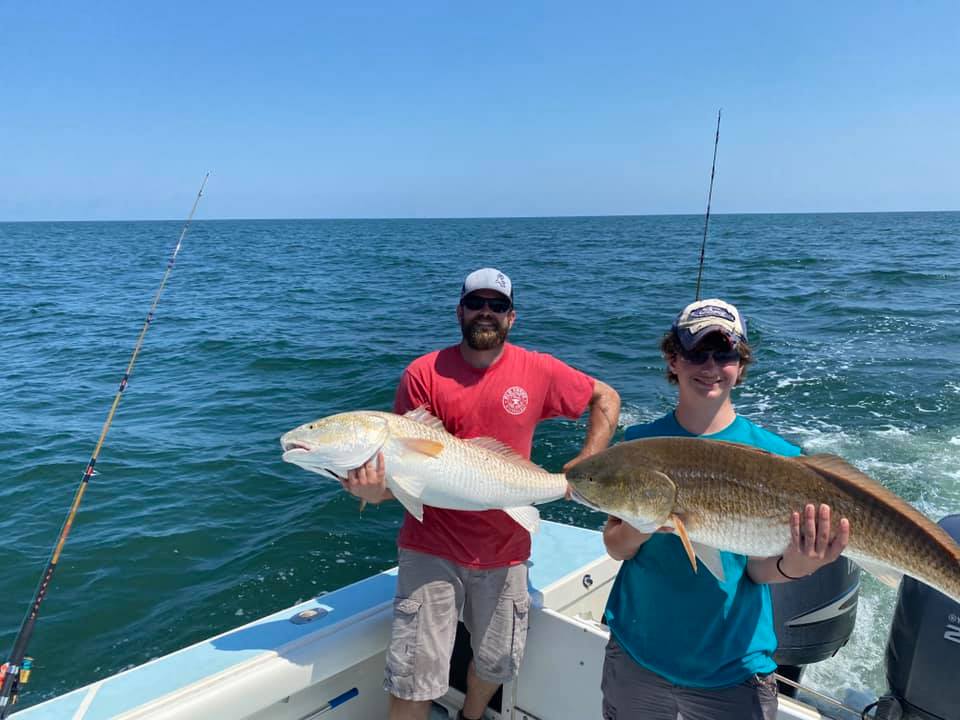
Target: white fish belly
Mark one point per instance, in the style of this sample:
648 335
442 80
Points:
461 483
753 538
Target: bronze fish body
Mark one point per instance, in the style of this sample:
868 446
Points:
740 499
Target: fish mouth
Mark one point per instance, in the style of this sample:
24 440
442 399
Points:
299 454
303 454
292 456
292 449
576 495
293 445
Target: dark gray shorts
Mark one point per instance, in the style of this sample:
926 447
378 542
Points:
431 593
631 692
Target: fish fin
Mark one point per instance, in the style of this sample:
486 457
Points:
527 516
408 491
422 446
681 530
710 557
425 417
411 485
862 487
884 573
505 451
833 466
363 504
645 528
741 446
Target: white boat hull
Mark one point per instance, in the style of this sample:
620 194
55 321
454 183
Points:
277 669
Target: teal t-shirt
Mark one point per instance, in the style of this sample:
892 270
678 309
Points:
689 627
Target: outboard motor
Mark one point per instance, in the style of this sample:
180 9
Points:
814 617
923 651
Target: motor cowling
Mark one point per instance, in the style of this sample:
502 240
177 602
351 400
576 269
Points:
923 650
814 616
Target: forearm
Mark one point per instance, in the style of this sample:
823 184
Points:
602 422
621 540
764 570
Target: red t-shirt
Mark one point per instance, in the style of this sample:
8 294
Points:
504 401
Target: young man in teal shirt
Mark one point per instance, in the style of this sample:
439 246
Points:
684 642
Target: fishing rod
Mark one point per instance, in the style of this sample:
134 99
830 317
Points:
706 220
16 671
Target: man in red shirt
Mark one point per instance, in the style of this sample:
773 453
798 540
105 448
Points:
473 562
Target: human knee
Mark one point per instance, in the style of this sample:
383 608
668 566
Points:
421 641
401 709
499 650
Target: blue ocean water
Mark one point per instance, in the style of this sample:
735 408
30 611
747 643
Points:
193 524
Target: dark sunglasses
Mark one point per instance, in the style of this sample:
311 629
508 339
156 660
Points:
497 305
720 357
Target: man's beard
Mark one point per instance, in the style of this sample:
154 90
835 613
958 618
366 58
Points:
484 338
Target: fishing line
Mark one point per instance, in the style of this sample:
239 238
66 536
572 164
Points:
706 220
703 249
16 671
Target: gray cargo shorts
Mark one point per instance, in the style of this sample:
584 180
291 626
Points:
631 692
431 593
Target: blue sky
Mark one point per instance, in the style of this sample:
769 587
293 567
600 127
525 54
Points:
114 110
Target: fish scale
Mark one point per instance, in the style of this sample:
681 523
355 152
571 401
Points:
740 499
423 462
473 470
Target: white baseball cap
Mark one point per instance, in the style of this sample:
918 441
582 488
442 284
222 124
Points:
699 319
487 279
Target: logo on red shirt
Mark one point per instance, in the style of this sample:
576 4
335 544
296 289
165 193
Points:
515 400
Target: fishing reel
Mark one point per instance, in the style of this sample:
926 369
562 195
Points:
17 679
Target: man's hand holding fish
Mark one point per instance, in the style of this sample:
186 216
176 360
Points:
368 482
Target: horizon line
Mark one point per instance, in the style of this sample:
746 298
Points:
486 217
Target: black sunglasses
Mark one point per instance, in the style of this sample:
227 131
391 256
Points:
476 302
720 357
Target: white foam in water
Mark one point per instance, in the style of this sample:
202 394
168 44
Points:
633 415
858 665
898 457
791 381
914 458
891 431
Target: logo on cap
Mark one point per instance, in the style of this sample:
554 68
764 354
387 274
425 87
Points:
711 311
501 280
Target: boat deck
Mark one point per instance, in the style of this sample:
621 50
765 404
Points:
558 551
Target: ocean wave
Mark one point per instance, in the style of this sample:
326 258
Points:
268 324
